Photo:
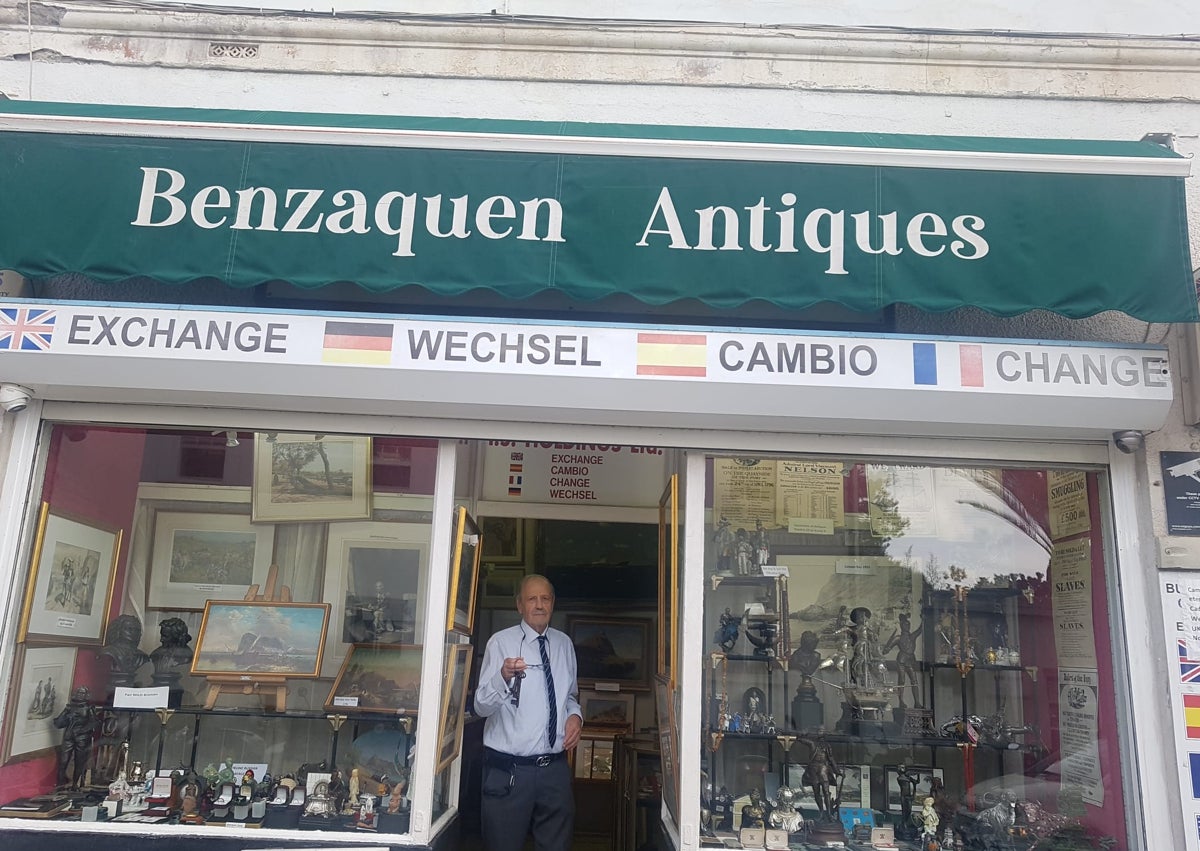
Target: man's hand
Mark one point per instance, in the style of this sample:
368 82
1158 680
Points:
512 668
573 728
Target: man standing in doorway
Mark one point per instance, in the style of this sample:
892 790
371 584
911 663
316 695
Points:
527 693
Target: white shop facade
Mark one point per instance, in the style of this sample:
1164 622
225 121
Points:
715 503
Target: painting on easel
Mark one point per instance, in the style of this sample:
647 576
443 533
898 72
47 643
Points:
267 638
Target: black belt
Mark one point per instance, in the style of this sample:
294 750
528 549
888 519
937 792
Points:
507 761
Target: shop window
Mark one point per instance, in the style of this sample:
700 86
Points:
919 650
267 590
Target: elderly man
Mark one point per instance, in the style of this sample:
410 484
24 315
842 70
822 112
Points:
527 693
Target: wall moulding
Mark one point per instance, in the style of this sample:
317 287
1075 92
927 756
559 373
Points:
708 55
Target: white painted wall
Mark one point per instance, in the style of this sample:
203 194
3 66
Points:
1163 17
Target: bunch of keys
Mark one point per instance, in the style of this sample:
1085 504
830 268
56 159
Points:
515 689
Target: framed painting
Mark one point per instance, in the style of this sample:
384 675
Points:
923 778
503 540
71 576
375 579
611 650
668 578
378 678
199 557
40 690
261 638
464 574
855 788
454 700
607 708
310 477
500 585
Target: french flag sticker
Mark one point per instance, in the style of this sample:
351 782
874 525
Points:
925 365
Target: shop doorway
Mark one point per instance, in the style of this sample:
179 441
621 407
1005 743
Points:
605 576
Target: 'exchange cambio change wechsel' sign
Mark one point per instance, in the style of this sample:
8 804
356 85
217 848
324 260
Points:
798 233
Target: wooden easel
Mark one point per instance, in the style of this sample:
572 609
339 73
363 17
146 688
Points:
272 689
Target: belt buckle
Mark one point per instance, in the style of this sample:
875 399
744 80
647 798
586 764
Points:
542 761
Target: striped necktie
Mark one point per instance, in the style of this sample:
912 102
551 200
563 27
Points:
552 726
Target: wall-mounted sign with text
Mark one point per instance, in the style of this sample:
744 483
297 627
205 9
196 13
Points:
573 473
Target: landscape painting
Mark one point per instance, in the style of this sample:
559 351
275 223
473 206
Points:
268 638
300 477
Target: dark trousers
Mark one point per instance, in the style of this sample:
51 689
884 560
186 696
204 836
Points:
524 799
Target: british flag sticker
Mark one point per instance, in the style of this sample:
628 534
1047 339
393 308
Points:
26 330
1189 669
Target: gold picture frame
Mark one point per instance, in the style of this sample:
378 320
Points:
72 574
310 477
378 678
288 639
41 688
668 580
464 573
454 701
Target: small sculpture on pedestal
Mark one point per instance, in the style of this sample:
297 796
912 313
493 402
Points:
907 780
824 776
78 721
784 815
121 647
172 658
808 713
753 814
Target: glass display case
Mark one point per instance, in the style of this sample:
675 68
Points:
907 655
226 627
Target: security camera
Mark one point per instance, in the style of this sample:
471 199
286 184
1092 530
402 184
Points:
1129 441
14 397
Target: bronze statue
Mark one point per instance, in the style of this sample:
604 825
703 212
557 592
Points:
121 647
173 656
864 644
824 776
907 780
78 721
905 642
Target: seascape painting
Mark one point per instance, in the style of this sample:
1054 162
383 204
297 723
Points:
261 638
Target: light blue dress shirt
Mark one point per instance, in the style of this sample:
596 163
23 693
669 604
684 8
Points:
522 730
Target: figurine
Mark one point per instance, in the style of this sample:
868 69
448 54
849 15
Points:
225 774
929 822
807 710
824 776
211 776
320 804
762 554
784 815
727 633
863 644
743 553
723 538
753 814
247 787
907 780
78 721
355 787
995 821
905 642
121 647
172 657
396 798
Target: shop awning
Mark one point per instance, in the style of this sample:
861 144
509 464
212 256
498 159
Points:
720 215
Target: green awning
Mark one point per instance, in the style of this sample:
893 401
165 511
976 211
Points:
721 215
